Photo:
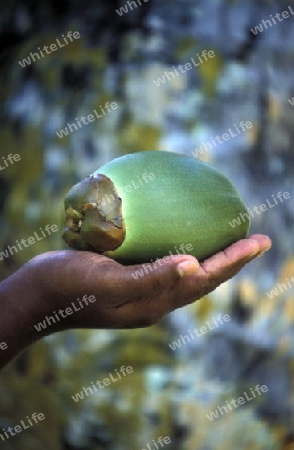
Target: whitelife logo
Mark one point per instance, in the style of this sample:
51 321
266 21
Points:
23 426
205 146
10 250
259 209
185 248
236 403
3 346
91 117
9 160
281 287
63 313
105 382
270 22
155 444
53 47
183 68
131 5
184 339
133 185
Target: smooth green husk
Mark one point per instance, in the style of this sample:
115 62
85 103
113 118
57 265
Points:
187 202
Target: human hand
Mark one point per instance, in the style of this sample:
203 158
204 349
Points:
54 280
123 301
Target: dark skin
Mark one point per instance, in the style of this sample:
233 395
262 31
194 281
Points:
52 281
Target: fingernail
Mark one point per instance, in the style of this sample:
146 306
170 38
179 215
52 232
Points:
254 254
187 268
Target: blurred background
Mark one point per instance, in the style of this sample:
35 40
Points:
118 57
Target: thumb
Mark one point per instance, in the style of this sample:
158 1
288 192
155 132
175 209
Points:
164 271
156 287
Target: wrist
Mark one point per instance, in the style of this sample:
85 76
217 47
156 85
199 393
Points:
23 304
17 294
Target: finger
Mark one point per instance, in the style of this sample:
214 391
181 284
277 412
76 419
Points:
224 265
171 287
237 254
153 290
157 278
263 240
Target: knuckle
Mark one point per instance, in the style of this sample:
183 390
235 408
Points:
158 286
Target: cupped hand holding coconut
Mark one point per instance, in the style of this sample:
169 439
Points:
58 284
53 281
